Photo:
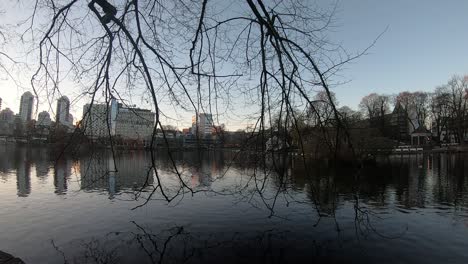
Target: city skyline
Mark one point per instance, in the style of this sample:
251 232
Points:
412 63
254 131
125 115
27 111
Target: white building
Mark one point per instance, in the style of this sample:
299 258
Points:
134 123
202 124
99 119
26 107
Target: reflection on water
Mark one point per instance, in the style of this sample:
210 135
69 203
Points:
100 172
23 178
399 210
62 172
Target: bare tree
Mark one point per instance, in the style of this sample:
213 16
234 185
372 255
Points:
349 115
375 107
421 107
415 105
457 88
321 111
193 56
6 61
439 111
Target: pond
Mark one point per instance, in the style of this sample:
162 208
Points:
230 207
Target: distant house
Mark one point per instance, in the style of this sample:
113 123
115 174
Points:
398 125
450 129
421 136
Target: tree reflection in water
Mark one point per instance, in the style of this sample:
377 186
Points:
415 180
344 204
179 245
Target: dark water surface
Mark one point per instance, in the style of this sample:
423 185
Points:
408 209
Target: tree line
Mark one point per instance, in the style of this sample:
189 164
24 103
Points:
443 111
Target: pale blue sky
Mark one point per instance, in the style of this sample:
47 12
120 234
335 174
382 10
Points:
425 43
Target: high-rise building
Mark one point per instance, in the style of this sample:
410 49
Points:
202 124
26 107
63 111
134 123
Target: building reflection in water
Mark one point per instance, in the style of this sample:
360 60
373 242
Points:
23 161
18 160
201 176
409 181
23 175
6 162
42 163
62 172
203 167
132 172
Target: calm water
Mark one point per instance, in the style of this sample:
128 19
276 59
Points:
75 209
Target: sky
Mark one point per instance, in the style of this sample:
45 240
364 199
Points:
425 43
422 44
